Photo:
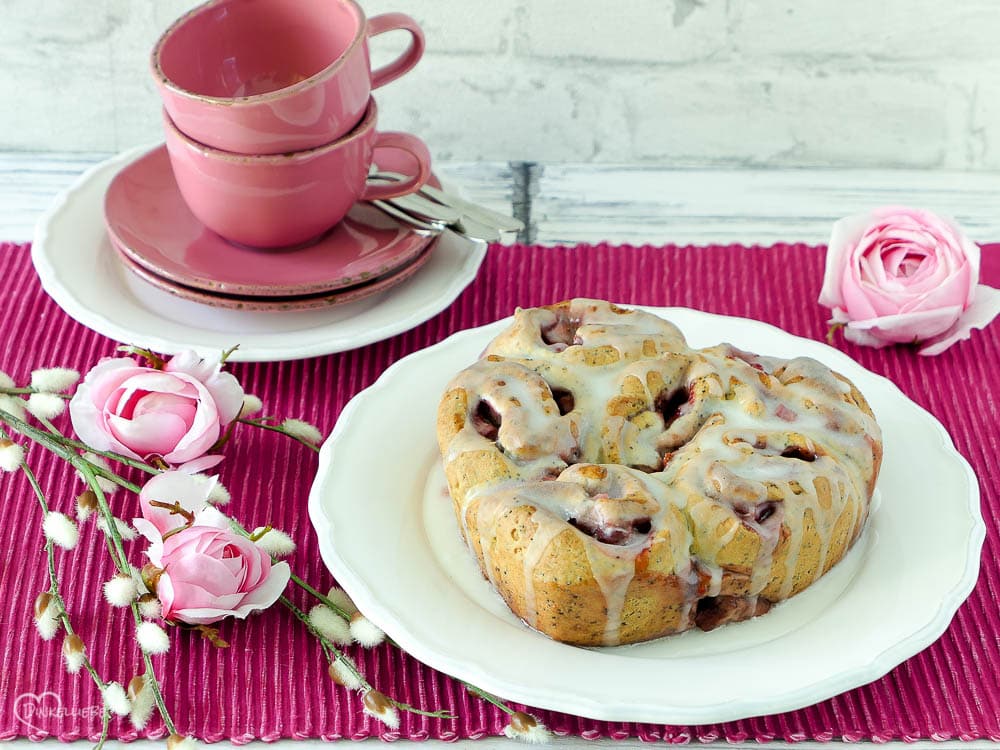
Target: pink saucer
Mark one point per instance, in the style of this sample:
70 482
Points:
275 304
150 224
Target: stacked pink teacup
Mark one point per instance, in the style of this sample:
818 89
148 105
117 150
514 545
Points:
270 123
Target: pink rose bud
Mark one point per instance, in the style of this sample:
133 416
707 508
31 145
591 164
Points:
210 573
901 275
177 413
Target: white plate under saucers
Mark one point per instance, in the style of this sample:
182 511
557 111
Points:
388 535
76 263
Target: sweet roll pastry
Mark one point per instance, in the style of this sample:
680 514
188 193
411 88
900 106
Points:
616 485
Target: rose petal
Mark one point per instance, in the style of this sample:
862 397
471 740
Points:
200 573
174 486
226 391
949 292
202 616
269 590
984 308
191 363
908 328
203 429
87 405
211 517
107 376
200 464
864 338
228 395
165 593
148 434
843 240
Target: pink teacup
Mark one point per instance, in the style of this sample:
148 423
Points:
283 200
271 76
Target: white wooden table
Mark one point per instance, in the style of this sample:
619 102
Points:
637 204
574 203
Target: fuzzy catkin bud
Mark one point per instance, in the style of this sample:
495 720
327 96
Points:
12 405
60 529
251 406
302 430
120 590
342 674
42 602
11 455
149 607
46 615
46 405
86 504
116 700
73 653
218 495
527 728
381 708
366 632
339 597
274 542
152 638
142 701
54 379
126 532
180 742
330 625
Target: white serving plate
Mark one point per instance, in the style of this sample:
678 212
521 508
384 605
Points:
387 534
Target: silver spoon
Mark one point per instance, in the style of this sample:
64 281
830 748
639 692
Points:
479 214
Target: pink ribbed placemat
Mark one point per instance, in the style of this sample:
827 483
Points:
272 682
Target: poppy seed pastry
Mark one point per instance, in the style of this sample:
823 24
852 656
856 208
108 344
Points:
616 485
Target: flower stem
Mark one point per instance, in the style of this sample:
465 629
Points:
28 391
126 460
105 725
60 445
488 697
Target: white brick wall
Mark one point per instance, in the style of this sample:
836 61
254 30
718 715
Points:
689 82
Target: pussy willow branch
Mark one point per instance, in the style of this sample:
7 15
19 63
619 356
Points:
28 391
304 585
328 647
57 594
51 441
264 425
153 683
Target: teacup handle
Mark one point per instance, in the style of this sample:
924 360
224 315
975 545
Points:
415 148
410 56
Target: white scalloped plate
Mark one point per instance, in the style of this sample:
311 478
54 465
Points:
76 263
387 535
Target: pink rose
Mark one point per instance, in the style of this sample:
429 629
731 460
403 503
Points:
901 275
177 413
210 572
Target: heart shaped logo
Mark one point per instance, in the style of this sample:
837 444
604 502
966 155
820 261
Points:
33 709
